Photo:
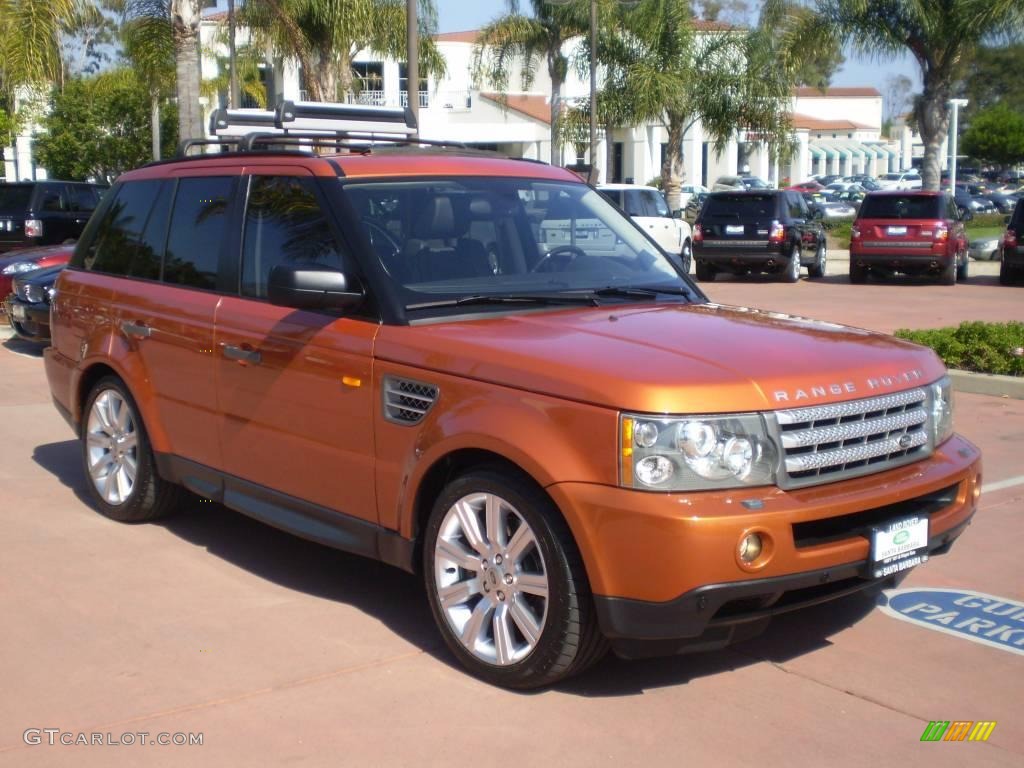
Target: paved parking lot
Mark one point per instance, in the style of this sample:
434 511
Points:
280 651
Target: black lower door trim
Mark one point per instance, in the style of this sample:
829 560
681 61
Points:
287 513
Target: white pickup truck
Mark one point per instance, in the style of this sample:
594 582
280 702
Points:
647 207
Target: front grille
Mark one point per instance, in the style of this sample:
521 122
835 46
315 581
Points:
821 444
407 401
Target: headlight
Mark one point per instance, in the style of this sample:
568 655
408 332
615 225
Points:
34 294
695 452
19 267
941 395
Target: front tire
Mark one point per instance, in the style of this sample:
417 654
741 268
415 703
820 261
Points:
964 267
118 460
506 584
686 257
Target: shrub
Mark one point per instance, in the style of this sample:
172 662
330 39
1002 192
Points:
976 346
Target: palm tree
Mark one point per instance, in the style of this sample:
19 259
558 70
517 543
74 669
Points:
726 78
518 39
148 41
30 41
182 18
326 35
940 35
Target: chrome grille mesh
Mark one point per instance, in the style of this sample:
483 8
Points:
821 444
407 401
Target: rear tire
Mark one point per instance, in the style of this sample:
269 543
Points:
858 274
791 272
118 460
705 272
818 267
948 274
1005 274
506 583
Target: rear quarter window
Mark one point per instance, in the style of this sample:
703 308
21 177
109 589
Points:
129 238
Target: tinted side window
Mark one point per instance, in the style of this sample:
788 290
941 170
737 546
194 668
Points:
283 224
52 198
114 248
198 227
656 204
634 203
82 197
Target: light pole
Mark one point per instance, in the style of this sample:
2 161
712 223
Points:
412 61
593 77
954 129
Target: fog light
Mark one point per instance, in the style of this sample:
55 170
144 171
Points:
653 470
750 548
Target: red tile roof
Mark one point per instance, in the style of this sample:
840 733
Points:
467 36
810 92
821 124
532 105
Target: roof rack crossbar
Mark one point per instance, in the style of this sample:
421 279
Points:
187 144
342 140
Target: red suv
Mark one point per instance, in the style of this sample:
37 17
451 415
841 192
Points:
910 232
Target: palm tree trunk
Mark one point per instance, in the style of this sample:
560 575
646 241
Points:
932 116
672 165
556 117
154 123
609 152
185 21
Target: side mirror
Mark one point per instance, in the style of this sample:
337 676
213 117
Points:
678 213
1006 219
967 215
312 286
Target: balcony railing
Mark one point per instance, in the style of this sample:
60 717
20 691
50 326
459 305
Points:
403 98
450 101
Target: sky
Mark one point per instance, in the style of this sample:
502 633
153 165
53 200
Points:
458 15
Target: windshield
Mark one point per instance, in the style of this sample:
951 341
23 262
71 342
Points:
452 238
14 197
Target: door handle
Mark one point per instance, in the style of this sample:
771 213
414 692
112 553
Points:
136 329
241 355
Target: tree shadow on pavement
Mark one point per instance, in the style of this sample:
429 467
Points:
398 599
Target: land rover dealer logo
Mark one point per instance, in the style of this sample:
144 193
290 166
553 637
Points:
870 384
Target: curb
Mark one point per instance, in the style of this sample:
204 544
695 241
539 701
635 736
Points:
988 384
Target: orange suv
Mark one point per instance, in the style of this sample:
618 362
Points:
478 369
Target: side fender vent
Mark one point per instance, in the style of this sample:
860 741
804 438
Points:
407 401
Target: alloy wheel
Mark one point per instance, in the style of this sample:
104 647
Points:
490 579
112 447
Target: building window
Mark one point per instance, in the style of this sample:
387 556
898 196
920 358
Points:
369 87
403 86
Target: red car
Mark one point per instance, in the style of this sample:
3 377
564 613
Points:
28 260
913 232
806 186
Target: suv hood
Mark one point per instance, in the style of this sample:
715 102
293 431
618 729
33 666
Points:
697 358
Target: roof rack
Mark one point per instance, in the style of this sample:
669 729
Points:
307 126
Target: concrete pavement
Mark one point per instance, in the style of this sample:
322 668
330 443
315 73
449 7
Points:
283 652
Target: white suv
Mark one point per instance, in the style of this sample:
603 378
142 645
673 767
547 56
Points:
647 207
902 180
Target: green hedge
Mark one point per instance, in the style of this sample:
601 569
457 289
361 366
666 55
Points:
976 346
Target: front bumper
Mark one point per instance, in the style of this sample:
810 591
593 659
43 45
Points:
30 321
664 567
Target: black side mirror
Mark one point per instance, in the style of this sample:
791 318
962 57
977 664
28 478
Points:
312 286
967 215
677 213
1006 219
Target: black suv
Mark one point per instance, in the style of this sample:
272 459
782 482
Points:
758 231
28 305
1012 247
45 212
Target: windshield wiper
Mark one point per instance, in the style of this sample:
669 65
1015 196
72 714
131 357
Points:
638 292
520 298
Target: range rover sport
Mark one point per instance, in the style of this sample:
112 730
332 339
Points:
419 356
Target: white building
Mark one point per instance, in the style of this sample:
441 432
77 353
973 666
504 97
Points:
836 131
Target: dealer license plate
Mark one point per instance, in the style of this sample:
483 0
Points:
18 311
897 230
899 545
734 229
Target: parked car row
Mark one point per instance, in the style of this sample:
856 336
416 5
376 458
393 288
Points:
895 231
